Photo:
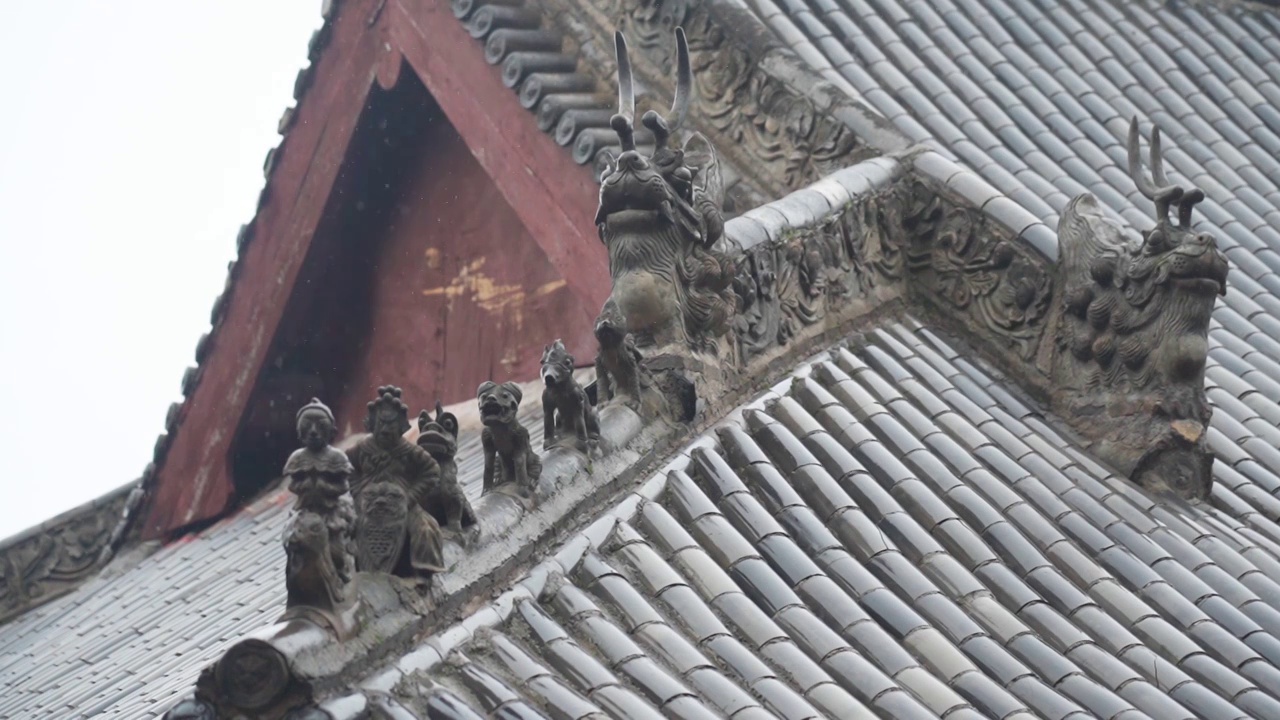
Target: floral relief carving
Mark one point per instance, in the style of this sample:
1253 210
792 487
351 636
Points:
652 22
56 559
782 131
794 283
969 266
775 134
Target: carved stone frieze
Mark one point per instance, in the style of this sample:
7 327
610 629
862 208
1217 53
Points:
1133 331
814 273
959 258
969 267
772 133
318 539
57 557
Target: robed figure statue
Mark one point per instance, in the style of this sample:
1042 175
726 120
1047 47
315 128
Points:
392 479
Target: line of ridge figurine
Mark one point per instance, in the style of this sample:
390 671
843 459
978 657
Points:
379 506
1127 353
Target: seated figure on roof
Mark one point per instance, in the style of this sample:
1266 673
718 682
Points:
392 480
318 537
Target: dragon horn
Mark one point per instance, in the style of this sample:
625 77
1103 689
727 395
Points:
684 84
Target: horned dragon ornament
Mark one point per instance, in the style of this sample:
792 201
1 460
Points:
660 220
1133 331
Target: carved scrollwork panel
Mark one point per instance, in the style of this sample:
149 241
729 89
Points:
773 134
781 132
56 559
972 267
799 281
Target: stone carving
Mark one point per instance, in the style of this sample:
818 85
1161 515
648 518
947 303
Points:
758 322
391 482
318 538
789 285
621 376
651 24
446 501
55 559
617 360
567 413
1133 334
659 217
252 676
508 454
776 134
971 267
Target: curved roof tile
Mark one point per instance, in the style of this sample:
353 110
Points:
890 532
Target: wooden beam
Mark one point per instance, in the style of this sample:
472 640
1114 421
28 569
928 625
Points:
554 197
193 484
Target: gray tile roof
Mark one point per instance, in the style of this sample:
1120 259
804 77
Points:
893 531
1036 98
890 532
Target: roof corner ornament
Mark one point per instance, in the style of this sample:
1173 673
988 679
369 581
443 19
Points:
660 219
1133 331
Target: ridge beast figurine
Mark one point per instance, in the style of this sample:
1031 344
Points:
621 376
660 218
508 454
1133 331
617 360
567 413
318 539
392 480
446 502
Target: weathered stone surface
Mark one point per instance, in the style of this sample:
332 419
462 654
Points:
56 556
1133 331
391 481
508 455
660 218
778 124
318 540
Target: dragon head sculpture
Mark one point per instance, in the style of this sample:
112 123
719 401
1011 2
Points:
660 216
1133 333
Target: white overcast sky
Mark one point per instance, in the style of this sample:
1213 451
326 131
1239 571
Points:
132 134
